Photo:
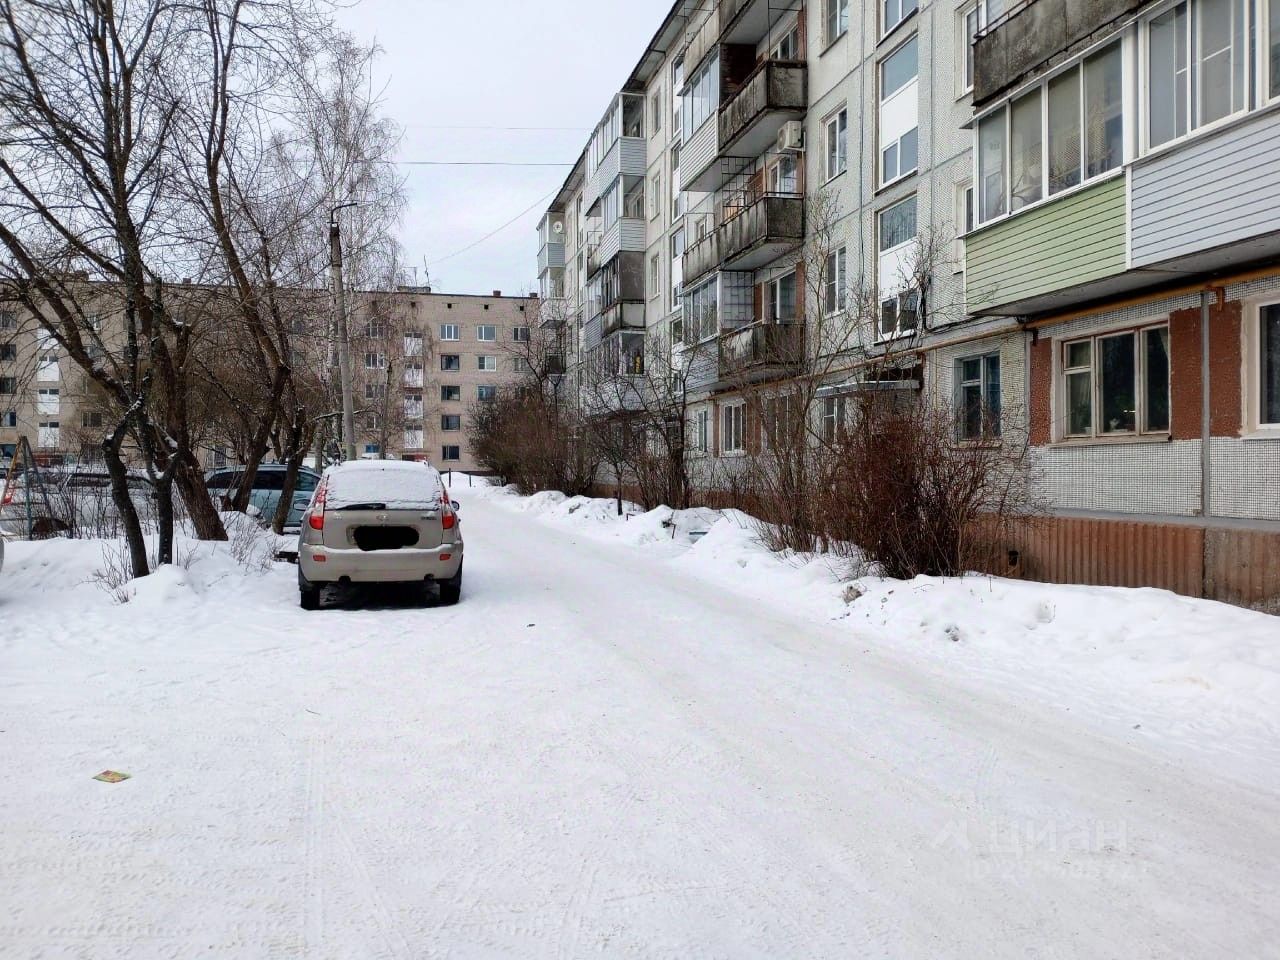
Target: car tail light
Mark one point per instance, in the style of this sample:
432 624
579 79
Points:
448 519
316 520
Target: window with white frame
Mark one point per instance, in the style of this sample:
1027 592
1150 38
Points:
899 302
677 194
413 406
977 400
782 298
677 84
733 434
899 112
8 418
655 274
1063 132
486 363
677 267
783 175
976 19
836 145
655 195
375 391
833 418
1197 66
656 111
701 98
375 361
449 331
700 311
413 438
450 452
1272 57
837 19
1263 369
788 48
49 435
48 400
964 221
487 333
702 431
1115 384
895 11
836 282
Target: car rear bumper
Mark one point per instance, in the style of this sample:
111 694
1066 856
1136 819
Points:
378 566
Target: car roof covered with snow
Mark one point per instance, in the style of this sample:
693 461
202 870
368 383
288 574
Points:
394 484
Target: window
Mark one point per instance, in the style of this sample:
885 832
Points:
1266 396
487 333
1058 135
375 391
450 451
782 298
450 391
702 431
836 131
449 331
656 111
788 48
833 418
1196 61
783 176
413 406
8 386
1273 43
450 421
978 397
655 195
377 330
895 11
8 351
521 365
701 98
520 334
964 221
836 282
49 434
450 362
9 418
8 320
837 19
677 267
375 361
976 19
487 363
733 428
413 343
486 392
1117 384
655 274
412 438
92 418
899 110
48 400
898 300
372 449
677 195
700 312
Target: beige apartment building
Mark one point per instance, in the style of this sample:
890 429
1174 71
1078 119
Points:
422 362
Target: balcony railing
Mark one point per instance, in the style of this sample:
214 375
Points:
622 316
762 349
766 227
750 120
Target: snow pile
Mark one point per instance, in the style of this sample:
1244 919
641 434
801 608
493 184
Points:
1132 658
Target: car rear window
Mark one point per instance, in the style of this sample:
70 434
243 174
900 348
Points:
392 488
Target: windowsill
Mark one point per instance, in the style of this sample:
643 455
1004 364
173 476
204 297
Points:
1262 433
835 176
1120 440
898 181
830 44
1226 123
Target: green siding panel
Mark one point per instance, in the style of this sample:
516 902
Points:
1075 240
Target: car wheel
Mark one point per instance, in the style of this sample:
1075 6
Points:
451 590
309 598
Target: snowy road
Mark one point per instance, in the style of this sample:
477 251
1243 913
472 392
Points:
595 754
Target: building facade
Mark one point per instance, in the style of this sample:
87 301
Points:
422 363
1070 211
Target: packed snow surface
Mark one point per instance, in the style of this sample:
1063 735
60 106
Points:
637 736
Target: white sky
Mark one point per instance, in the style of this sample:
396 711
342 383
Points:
507 63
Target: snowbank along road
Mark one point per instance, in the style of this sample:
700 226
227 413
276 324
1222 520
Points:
598 753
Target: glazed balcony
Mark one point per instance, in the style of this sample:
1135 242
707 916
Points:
623 315
761 351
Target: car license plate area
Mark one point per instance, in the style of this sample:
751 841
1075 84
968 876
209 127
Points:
384 538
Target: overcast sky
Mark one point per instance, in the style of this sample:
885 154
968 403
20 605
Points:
503 63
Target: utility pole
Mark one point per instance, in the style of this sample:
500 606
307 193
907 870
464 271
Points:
344 339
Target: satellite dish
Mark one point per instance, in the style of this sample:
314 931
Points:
557 227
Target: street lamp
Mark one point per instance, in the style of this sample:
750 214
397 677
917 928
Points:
344 339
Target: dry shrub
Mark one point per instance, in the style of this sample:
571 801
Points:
529 440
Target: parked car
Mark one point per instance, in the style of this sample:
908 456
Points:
268 484
75 501
380 521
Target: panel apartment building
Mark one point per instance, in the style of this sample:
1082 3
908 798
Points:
1097 184
421 363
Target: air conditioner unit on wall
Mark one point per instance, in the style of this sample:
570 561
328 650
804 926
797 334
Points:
791 137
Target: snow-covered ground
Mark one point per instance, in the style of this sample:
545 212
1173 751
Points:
626 743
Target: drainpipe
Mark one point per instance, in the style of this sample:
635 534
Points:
1206 468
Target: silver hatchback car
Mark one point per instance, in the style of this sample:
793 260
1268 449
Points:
380 521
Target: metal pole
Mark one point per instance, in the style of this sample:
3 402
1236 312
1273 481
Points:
344 341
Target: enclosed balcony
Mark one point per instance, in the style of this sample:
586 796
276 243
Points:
775 92
761 351
623 315
759 232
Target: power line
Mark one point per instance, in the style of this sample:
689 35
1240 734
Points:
480 126
494 233
477 163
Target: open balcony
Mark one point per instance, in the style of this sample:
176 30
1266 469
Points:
761 230
775 92
750 21
761 351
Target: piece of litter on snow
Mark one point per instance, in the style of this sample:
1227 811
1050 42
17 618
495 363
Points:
111 776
